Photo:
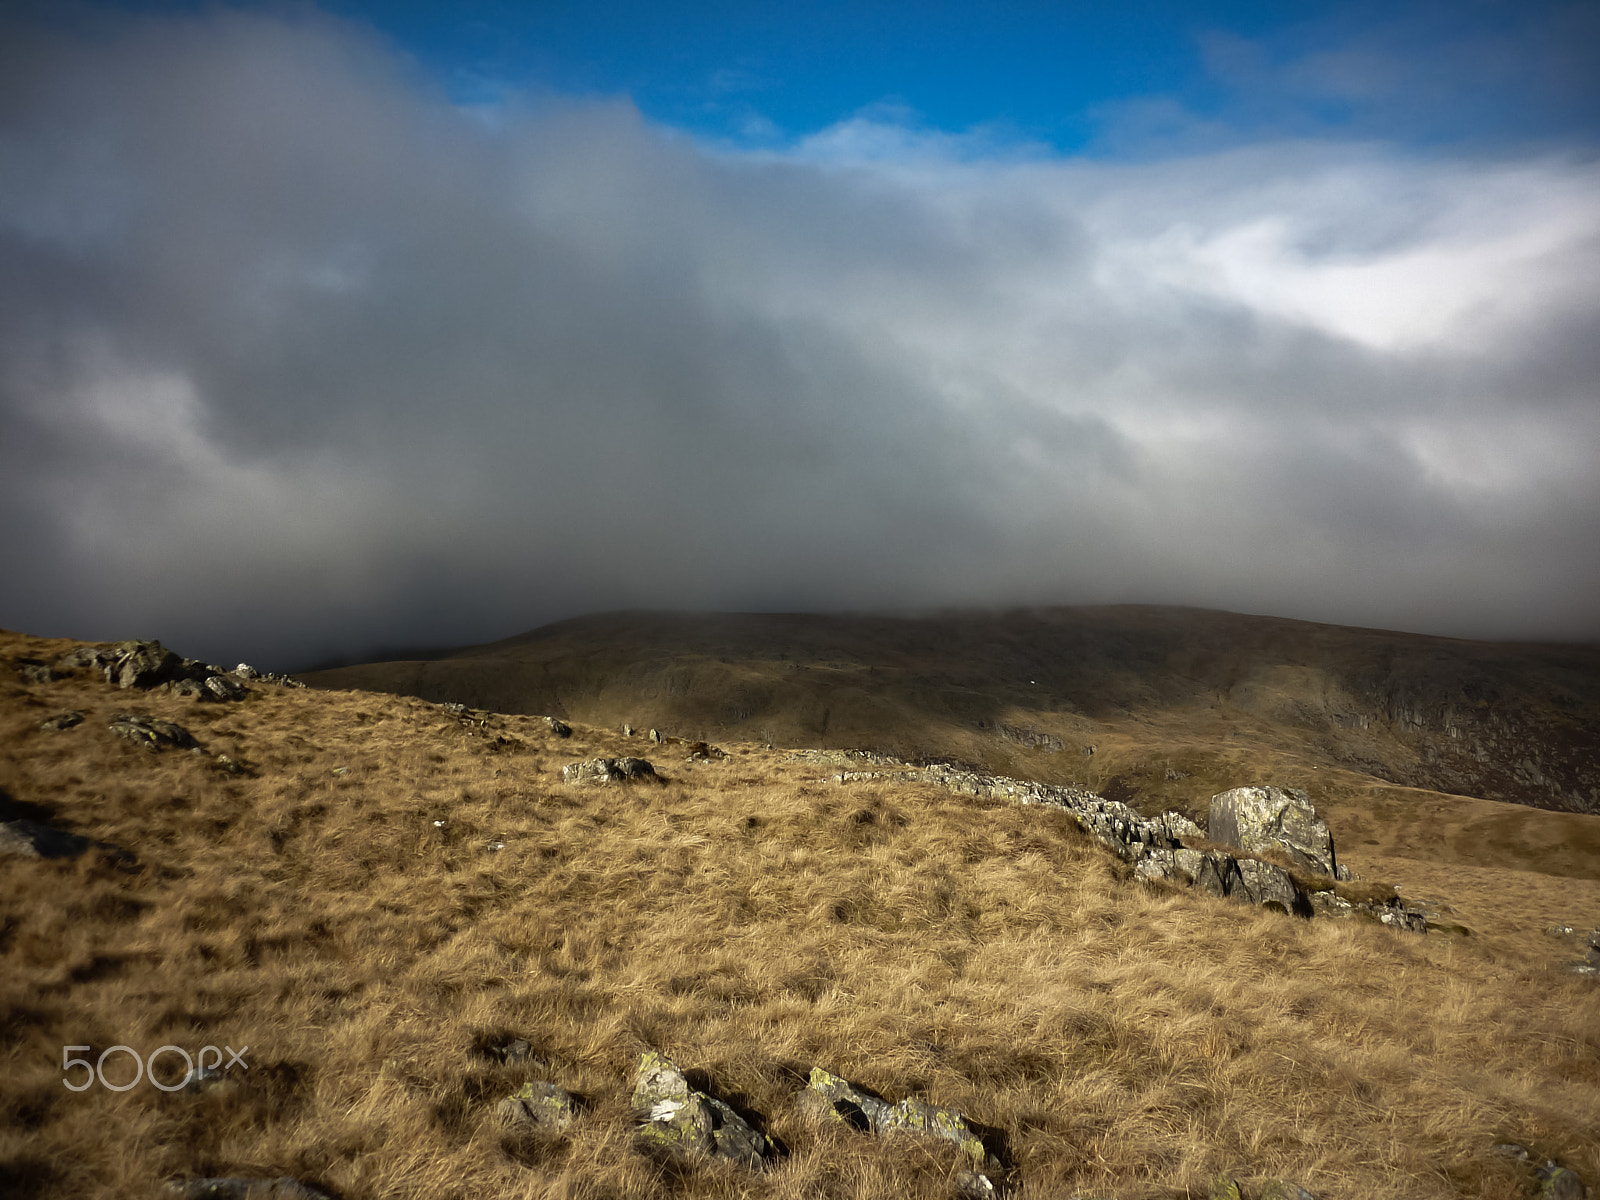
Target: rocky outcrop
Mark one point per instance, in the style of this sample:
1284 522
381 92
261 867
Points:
1255 819
1030 739
678 1120
1157 847
150 665
607 770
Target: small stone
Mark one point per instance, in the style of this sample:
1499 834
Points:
282 1188
655 735
153 734
1223 1188
627 731
36 672
539 1105
64 720
1511 1150
560 728
607 770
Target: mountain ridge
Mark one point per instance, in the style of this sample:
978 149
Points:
1128 687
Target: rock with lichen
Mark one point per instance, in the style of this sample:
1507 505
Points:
680 1121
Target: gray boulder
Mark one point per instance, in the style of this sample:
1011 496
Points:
141 665
539 1105
686 1123
1272 818
607 770
96 658
828 1099
1269 886
225 687
34 840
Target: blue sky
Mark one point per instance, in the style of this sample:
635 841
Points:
1147 76
331 327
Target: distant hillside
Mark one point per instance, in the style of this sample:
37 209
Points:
1141 702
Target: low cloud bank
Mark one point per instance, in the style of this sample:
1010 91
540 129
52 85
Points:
298 357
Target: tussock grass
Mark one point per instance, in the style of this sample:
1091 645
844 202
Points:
746 918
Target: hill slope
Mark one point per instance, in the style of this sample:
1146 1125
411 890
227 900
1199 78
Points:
1158 693
380 892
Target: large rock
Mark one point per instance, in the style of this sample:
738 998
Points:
1272 818
1270 886
141 665
690 1124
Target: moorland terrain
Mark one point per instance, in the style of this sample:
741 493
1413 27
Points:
378 894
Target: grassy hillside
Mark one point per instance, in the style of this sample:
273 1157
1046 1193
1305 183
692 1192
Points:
386 888
1154 691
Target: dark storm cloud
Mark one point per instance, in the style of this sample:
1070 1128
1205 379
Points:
297 356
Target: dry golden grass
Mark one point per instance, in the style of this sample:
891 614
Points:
749 920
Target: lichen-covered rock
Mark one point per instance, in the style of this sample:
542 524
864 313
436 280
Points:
1272 818
539 1105
829 1099
153 734
687 1123
607 770
1223 1188
929 1120
1560 1183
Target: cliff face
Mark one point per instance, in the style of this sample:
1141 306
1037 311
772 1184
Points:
1033 691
